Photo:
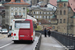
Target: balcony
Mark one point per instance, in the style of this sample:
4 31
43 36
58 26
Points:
18 16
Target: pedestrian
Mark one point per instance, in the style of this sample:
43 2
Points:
49 32
45 32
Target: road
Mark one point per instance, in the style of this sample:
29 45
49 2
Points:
47 43
7 44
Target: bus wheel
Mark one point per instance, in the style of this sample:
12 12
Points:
15 41
32 41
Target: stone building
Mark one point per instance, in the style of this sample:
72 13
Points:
42 13
65 17
14 9
62 15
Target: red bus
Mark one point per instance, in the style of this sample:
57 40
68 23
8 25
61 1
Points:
23 29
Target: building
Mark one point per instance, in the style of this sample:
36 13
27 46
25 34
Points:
42 14
34 2
66 16
54 23
14 9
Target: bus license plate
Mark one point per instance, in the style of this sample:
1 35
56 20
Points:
21 35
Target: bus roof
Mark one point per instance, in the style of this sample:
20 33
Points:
20 19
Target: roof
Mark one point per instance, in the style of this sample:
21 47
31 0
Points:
62 0
53 2
17 3
41 8
71 3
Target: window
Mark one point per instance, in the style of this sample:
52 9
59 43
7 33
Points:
44 16
23 13
19 13
47 17
47 12
60 12
64 4
15 8
40 12
19 8
34 16
44 12
33 12
50 12
60 20
23 8
22 24
37 16
12 13
40 17
64 12
17 0
12 8
57 21
37 12
64 21
53 27
15 13
69 9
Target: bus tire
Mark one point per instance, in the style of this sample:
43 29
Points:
15 41
32 41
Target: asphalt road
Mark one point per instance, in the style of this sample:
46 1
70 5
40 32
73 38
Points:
7 44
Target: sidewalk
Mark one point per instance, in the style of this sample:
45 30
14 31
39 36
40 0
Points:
50 43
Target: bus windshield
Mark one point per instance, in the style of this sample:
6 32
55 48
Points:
22 24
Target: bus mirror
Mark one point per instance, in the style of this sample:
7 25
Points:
35 26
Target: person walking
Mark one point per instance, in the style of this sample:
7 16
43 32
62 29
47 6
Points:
45 32
49 32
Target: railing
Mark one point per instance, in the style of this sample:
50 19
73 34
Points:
66 39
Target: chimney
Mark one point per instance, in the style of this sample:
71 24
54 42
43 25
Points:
12 0
22 1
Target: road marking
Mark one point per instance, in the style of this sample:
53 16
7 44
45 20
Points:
5 45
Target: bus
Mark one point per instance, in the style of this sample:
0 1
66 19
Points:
23 29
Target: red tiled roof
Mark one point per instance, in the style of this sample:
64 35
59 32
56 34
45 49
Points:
17 3
21 3
72 4
53 2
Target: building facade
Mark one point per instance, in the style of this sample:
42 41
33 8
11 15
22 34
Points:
42 13
14 9
65 17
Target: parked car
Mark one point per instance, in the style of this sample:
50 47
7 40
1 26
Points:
0 31
4 31
9 33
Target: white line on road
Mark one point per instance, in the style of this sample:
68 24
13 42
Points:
5 45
